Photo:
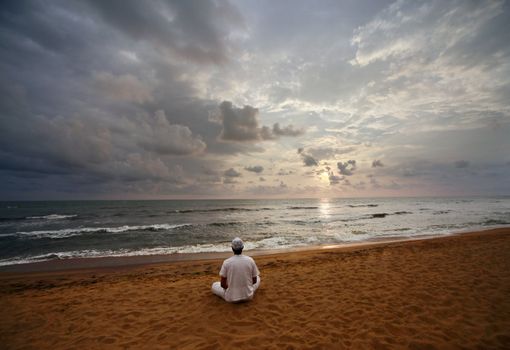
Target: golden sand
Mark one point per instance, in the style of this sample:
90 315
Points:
449 292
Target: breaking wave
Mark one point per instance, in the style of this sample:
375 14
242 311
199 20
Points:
229 209
51 217
65 233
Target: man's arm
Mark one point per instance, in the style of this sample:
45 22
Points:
224 284
255 272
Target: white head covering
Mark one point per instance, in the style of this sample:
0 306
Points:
237 243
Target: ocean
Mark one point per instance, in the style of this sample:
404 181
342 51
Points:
46 230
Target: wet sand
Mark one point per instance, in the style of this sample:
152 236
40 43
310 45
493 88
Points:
448 292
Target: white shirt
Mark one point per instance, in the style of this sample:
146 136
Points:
239 271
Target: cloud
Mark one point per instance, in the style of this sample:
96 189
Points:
118 98
162 137
329 152
239 124
255 169
406 28
377 163
333 179
242 125
136 167
460 164
284 172
124 87
232 173
229 181
347 168
308 160
289 130
190 30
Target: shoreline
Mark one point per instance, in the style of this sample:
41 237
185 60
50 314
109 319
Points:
120 262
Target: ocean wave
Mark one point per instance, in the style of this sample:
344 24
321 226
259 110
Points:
491 222
441 212
363 205
93 253
52 217
70 232
304 222
42 217
299 208
223 224
383 215
219 247
229 209
379 215
12 219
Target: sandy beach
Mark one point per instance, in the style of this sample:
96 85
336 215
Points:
448 292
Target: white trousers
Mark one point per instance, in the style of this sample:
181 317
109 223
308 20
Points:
218 290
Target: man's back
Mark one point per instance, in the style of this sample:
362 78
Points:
239 271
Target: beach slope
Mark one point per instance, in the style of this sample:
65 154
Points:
447 292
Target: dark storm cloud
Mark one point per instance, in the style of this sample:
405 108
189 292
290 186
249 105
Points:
193 29
328 152
461 164
91 94
347 168
284 172
255 169
239 124
242 125
162 137
334 179
232 173
308 160
377 163
289 130
107 97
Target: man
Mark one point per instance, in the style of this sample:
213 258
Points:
239 276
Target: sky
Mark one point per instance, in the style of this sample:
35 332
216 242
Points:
127 99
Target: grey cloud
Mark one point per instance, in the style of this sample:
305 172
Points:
230 181
239 124
284 172
377 163
232 173
289 130
373 181
333 179
255 169
82 81
165 138
404 28
123 87
136 167
328 152
242 125
191 30
461 164
59 141
78 101
347 168
263 190
308 160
